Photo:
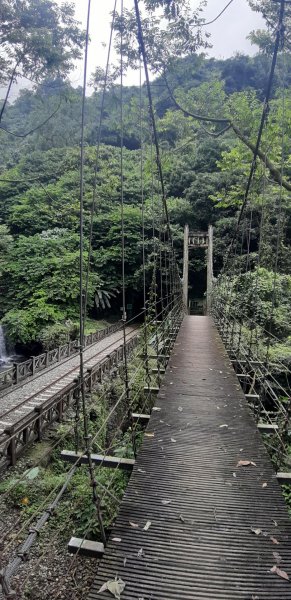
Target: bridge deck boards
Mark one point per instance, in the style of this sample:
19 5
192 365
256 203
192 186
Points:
201 506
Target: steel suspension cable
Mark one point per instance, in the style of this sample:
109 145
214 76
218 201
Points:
97 158
87 440
264 116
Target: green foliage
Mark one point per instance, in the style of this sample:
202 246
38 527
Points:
39 36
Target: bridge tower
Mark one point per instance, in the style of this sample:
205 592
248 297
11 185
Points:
198 239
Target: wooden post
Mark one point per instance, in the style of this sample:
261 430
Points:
186 267
209 268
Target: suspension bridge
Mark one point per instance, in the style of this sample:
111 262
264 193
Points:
203 410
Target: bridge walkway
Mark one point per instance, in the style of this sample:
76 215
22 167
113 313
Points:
186 525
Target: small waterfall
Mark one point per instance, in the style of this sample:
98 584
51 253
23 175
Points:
3 351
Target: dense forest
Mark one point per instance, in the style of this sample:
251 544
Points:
205 168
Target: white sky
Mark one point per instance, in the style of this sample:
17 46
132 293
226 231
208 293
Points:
228 34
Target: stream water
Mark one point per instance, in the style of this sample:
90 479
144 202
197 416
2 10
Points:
3 350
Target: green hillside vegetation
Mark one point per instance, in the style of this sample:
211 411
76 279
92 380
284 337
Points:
205 167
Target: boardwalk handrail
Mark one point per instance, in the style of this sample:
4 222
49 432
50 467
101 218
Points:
19 372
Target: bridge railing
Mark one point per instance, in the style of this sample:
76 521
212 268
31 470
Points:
19 372
266 383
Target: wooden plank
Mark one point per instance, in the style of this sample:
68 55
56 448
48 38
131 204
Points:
267 427
284 478
157 371
111 462
85 547
141 418
151 390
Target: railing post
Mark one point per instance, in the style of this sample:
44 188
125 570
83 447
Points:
15 374
32 358
186 267
12 448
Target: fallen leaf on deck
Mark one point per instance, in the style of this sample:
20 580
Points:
147 525
256 531
173 440
223 426
114 586
182 519
180 409
246 463
274 540
156 409
116 539
166 501
279 572
234 474
141 471
149 435
264 485
277 557
124 562
140 553
133 525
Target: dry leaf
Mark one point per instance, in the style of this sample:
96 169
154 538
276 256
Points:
264 485
246 463
141 471
140 553
116 539
156 409
256 531
223 426
114 586
147 525
274 540
278 558
166 501
182 519
173 440
124 562
279 572
149 435
180 409
133 525
234 474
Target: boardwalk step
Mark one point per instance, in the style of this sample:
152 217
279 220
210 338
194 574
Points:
141 418
151 390
284 478
85 547
267 427
99 459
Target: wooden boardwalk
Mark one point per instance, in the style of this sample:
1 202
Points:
202 507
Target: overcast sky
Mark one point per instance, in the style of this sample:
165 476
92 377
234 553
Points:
228 34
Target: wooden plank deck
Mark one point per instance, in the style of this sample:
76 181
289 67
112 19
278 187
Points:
201 505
